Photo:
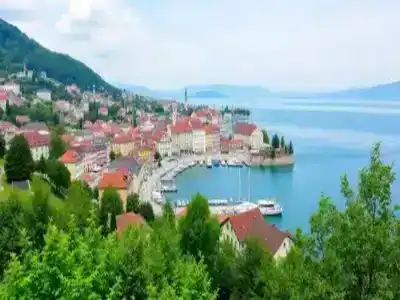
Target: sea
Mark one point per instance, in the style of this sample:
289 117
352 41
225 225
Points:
330 137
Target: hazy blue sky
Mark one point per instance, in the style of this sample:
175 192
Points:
281 44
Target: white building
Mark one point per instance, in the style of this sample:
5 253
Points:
44 95
250 134
163 143
39 142
182 136
198 136
11 87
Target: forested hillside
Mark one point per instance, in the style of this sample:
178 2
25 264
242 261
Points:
17 48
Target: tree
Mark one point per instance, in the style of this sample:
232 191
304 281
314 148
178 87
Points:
18 163
39 214
282 142
2 146
8 108
59 175
265 136
132 203
290 148
168 214
41 165
110 207
273 153
146 211
79 204
57 146
112 156
199 231
96 193
343 253
11 224
275 141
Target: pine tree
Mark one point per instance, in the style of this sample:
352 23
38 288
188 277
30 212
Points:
2 147
283 142
290 149
57 146
19 164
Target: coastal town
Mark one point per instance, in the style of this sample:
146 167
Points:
140 151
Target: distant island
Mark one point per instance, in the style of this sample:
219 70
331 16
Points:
208 94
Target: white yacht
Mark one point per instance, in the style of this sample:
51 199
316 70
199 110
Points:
223 163
244 206
269 207
209 163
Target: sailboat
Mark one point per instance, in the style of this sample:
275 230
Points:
243 206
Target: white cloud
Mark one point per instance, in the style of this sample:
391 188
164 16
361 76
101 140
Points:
285 44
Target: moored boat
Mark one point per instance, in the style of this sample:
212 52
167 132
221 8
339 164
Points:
209 163
269 207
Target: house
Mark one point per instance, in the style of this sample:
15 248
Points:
123 144
9 131
39 142
238 227
3 99
95 153
198 136
250 134
228 145
11 87
120 180
127 220
163 143
131 165
213 138
182 136
74 163
103 111
44 95
22 119
36 126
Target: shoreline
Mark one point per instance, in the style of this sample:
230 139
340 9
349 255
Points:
155 175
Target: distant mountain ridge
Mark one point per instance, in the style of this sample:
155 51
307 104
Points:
17 49
390 91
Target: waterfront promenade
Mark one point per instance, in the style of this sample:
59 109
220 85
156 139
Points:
153 175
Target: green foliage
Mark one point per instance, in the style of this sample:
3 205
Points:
41 165
265 136
112 156
2 147
348 253
11 221
132 203
79 204
199 231
290 148
282 144
110 207
146 211
16 48
19 163
57 146
58 174
275 141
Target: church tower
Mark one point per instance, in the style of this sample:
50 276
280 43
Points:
186 99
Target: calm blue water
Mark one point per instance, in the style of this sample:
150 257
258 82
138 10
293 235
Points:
330 139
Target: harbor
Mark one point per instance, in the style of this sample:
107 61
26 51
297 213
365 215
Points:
169 182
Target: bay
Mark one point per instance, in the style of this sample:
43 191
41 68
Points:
328 143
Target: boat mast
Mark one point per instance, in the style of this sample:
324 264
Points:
248 195
240 186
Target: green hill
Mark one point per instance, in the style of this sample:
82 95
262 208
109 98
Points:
17 48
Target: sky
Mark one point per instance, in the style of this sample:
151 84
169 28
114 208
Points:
302 45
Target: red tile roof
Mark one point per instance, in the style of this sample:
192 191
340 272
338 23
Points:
3 95
129 219
118 180
181 127
70 157
123 139
245 128
196 124
251 223
35 139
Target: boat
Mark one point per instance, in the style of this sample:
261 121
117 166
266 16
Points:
215 162
269 207
201 162
218 202
223 163
209 164
234 163
181 203
169 189
244 206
